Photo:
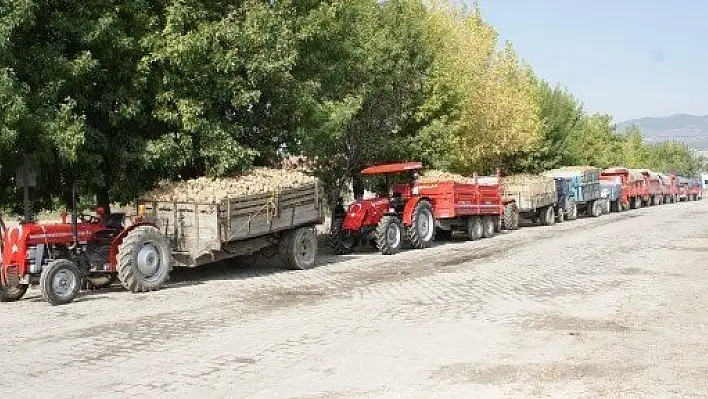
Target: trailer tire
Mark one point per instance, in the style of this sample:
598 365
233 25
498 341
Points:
340 244
12 294
389 235
573 212
511 217
548 216
497 224
144 260
488 227
421 231
595 209
60 282
298 248
475 229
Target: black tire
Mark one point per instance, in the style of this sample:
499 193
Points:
298 248
595 209
144 260
497 224
637 203
560 215
441 234
573 212
547 216
487 227
511 217
389 235
475 228
12 294
60 282
341 242
421 231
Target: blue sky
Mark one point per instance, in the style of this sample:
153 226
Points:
626 58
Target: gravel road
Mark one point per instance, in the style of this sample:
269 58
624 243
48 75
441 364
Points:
609 307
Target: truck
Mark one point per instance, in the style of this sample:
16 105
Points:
416 210
277 222
586 187
632 183
532 197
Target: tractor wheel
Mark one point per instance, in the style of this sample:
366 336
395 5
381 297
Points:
298 248
341 242
421 231
389 235
497 224
547 216
511 217
144 260
488 227
637 203
475 228
560 215
441 234
60 282
12 294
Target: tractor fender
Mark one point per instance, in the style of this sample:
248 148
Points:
410 207
117 240
354 217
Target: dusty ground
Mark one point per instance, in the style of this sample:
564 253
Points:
608 307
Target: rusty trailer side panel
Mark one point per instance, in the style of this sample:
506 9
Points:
452 199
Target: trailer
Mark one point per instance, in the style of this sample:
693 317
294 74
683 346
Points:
611 193
279 222
586 187
532 197
633 185
473 206
684 188
695 191
653 194
669 190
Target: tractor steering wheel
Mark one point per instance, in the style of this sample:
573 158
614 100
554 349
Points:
84 218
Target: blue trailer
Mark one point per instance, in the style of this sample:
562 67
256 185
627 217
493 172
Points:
586 188
611 193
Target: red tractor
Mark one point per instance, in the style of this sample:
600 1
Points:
61 257
396 214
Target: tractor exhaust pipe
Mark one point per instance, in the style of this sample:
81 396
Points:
74 219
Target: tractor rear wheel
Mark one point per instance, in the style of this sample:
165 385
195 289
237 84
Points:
421 231
560 215
60 282
12 294
511 217
144 260
488 227
389 235
475 228
341 241
298 248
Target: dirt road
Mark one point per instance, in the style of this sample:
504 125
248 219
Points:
608 307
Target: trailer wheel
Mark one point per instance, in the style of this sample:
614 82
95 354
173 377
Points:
298 248
421 231
595 209
497 224
389 235
488 227
12 294
548 216
475 229
144 260
511 217
60 282
341 241
560 215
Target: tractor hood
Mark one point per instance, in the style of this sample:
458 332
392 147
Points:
360 212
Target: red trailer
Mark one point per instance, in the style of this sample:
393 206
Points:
634 189
654 194
669 188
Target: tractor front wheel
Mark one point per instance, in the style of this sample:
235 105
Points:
60 282
389 234
422 228
341 241
144 260
12 294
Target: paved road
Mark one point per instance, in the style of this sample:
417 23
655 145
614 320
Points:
609 307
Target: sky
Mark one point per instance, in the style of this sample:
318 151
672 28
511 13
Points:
626 58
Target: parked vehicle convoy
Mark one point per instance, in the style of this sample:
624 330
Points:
632 185
415 209
59 257
586 187
530 197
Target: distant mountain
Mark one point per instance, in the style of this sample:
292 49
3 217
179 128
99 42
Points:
689 129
